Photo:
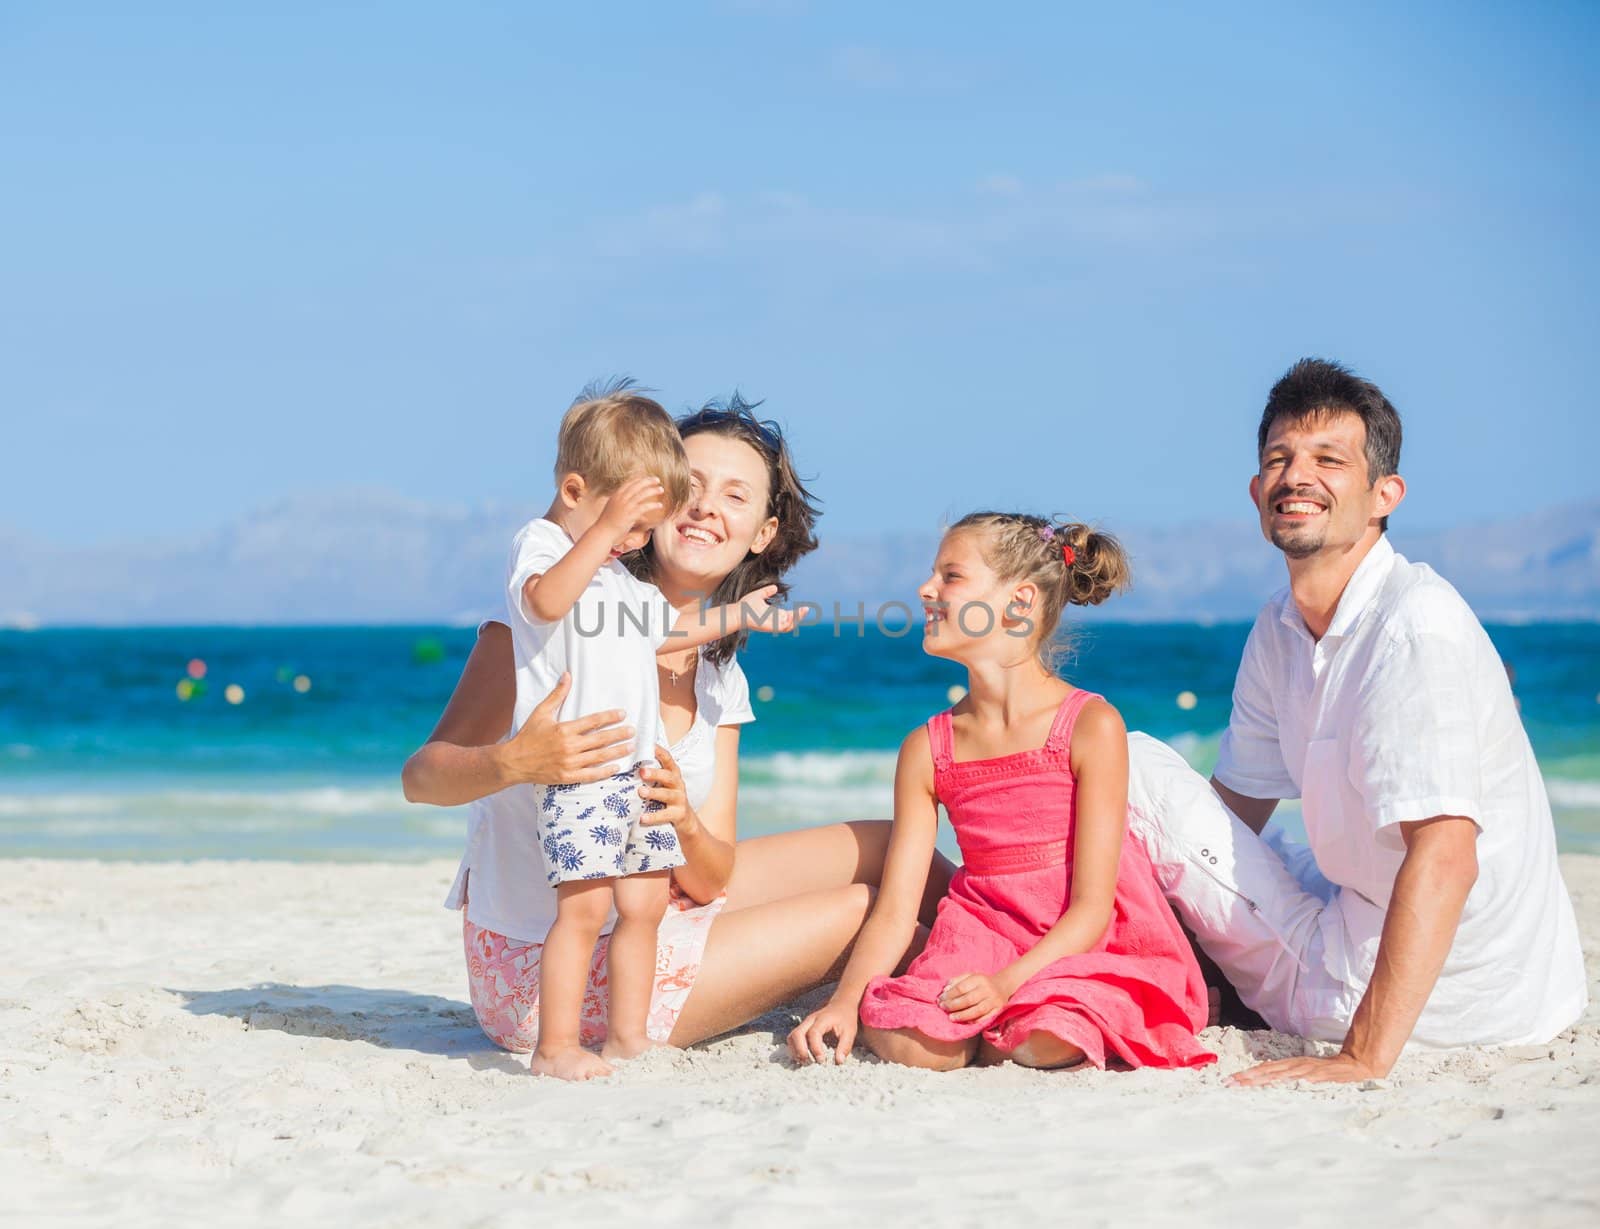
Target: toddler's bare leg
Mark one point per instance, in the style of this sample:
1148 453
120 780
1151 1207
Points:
641 904
581 910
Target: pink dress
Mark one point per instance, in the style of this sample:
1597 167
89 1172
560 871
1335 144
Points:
1137 995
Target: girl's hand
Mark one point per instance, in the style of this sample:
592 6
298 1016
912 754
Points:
665 785
757 614
553 752
808 1043
973 997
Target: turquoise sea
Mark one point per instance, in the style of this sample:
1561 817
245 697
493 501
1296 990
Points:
99 756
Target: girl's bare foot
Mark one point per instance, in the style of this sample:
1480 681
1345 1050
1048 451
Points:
570 1063
624 1048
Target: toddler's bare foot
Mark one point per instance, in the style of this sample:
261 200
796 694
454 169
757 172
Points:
571 1063
624 1048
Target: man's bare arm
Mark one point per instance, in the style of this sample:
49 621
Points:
1253 811
1440 867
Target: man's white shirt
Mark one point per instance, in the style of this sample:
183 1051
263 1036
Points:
1402 711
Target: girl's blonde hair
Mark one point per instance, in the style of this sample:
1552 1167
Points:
1019 546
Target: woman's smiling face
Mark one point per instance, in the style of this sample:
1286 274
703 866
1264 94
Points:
725 519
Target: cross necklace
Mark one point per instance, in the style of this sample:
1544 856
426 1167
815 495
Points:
674 675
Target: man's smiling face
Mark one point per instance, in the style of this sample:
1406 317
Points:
1313 490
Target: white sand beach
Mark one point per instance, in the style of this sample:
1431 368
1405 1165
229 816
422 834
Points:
219 1043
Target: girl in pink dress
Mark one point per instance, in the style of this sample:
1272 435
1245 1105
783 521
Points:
1054 944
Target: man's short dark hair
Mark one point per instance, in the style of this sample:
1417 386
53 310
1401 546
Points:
1314 387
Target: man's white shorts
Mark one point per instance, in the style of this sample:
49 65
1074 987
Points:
1257 905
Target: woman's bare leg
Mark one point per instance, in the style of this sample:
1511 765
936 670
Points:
769 868
761 957
910 1048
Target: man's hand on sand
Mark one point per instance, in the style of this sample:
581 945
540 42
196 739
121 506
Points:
1340 1069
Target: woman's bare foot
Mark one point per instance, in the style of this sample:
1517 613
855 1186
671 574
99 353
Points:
623 1048
570 1063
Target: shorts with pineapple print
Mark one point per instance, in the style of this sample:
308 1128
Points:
598 830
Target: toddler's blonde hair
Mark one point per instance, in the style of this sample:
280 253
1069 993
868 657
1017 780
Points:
613 433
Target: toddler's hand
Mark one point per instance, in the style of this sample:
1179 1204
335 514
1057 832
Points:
757 614
808 1043
639 501
973 997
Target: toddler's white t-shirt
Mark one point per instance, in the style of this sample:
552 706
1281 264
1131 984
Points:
607 641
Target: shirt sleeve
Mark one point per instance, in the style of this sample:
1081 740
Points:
1250 759
537 548
1415 751
733 692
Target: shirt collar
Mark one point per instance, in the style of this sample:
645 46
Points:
1358 594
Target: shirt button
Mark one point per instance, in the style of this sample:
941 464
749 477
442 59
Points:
1205 853
1213 861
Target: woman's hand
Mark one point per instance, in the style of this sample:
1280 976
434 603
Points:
552 752
808 1043
664 786
974 997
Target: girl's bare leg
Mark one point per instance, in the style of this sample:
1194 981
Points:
769 868
631 964
581 910
910 1048
1044 1051
760 957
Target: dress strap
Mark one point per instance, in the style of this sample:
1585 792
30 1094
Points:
1067 717
942 740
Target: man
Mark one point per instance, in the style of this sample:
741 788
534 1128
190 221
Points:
1429 907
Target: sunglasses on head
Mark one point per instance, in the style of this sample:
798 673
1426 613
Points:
770 433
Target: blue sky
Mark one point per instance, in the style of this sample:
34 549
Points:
1045 256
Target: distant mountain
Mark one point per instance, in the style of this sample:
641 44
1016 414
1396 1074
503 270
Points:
1544 566
371 557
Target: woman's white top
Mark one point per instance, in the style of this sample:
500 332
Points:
501 879
607 641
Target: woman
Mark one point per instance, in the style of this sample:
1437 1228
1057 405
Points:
754 922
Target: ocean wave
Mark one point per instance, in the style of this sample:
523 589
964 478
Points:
321 800
826 768
1575 794
778 791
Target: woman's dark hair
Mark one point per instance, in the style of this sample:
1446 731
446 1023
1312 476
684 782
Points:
788 500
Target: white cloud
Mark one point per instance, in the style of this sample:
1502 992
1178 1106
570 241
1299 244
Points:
776 8
866 67
1109 219
1000 185
1107 182
695 225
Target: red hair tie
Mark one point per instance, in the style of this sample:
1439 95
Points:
1068 556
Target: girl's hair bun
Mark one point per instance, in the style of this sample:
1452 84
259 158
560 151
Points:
1099 566
1067 561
